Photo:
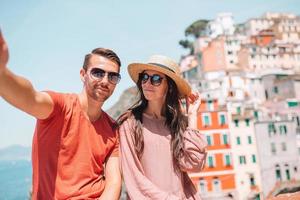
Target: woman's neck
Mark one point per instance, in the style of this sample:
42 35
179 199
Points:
155 109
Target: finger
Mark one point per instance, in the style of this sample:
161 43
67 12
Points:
187 103
1 37
193 98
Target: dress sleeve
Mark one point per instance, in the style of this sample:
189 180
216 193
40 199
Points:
194 152
138 186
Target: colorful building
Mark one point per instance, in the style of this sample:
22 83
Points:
217 179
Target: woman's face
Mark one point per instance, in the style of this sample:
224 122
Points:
154 85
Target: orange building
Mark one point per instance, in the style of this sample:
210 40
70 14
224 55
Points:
263 38
217 179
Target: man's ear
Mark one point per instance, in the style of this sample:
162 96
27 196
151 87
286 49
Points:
82 74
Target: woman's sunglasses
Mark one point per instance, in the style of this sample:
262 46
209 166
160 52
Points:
113 77
155 79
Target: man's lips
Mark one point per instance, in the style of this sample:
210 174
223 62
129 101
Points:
102 89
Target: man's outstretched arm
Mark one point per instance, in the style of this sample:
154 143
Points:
19 92
113 180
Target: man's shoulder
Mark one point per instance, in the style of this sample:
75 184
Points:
60 96
63 94
110 120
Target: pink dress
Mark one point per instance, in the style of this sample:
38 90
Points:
153 176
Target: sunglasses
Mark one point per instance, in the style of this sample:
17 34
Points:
113 77
155 79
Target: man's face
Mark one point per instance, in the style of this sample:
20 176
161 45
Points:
97 86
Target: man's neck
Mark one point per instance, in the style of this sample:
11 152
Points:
91 107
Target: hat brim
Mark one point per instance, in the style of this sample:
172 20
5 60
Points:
134 69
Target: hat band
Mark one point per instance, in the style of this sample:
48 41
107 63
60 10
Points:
162 66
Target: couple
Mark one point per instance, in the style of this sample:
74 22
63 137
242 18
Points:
75 150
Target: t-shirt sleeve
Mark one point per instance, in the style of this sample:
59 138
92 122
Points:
115 151
57 102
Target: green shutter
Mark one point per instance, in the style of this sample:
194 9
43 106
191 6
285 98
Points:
249 140
238 140
253 159
227 160
225 140
208 138
210 161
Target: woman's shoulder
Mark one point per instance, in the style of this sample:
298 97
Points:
127 120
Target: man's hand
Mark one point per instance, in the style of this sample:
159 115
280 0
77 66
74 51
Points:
3 53
19 92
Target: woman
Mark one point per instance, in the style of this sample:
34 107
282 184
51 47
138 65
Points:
157 146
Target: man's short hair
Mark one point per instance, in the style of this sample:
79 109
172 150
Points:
106 53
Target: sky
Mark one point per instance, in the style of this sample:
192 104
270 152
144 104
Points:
48 40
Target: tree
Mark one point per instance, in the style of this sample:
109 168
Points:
197 28
187 45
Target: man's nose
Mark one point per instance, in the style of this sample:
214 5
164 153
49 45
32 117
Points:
105 79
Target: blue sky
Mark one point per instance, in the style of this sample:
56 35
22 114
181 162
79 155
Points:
48 40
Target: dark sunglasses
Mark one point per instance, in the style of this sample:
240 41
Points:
155 79
113 77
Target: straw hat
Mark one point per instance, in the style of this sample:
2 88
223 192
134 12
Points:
163 65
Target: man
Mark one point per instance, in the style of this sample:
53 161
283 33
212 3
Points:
75 144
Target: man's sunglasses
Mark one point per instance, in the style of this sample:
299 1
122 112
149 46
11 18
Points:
155 79
113 77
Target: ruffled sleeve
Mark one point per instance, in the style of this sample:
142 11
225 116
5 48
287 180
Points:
194 153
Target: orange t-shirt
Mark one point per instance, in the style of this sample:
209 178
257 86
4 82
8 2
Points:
69 151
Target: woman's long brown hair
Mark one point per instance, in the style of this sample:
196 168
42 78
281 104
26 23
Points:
176 121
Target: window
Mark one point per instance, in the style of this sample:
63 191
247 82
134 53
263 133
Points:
210 105
266 94
273 148
275 90
227 160
282 129
278 174
216 185
206 119
256 114
253 158
247 122
238 110
210 161
209 140
225 139
242 160
287 173
252 180
203 187
249 140
222 119
271 128
238 140
283 146
236 122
